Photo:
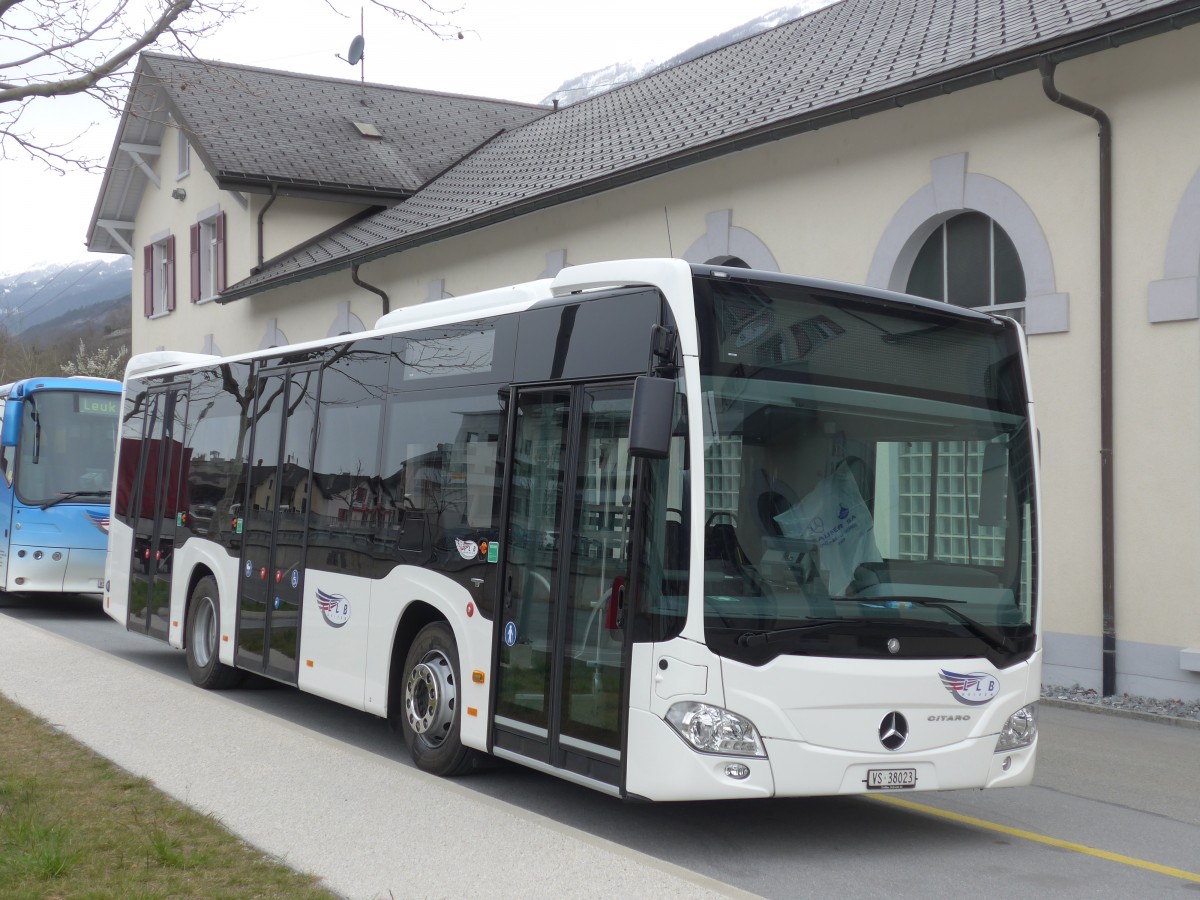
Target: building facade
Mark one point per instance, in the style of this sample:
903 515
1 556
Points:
1046 168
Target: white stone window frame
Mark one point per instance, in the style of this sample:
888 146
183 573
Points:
1176 296
723 241
952 190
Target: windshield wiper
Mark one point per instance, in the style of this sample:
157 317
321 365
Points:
761 638
988 635
73 495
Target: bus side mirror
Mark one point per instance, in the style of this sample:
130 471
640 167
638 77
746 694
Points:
11 432
652 417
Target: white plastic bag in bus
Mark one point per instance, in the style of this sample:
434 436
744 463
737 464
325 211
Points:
835 518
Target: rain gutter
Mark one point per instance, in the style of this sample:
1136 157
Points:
374 290
262 214
1107 503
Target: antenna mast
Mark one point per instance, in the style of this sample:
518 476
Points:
355 55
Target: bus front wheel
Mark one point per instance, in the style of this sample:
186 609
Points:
203 639
430 716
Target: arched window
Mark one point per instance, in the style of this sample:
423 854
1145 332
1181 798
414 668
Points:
969 260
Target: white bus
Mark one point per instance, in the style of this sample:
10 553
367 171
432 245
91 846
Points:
668 531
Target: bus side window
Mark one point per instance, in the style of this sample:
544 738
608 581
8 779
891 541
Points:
442 482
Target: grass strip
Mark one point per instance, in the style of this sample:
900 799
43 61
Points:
74 825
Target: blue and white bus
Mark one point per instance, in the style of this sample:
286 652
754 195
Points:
668 531
57 446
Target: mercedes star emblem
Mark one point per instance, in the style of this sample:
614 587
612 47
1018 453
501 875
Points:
893 731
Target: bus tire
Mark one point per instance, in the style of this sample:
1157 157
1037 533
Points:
203 639
429 716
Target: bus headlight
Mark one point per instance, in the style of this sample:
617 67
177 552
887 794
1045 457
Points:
711 729
1020 729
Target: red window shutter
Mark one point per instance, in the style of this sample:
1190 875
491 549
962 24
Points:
148 279
195 261
220 273
169 249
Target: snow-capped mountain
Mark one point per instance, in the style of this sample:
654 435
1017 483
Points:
52 290
600 80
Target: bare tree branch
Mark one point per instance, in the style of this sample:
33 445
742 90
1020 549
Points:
59 48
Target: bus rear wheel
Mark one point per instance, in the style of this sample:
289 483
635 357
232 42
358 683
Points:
203 639
430 718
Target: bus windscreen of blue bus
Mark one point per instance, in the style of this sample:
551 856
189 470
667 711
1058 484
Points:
66 448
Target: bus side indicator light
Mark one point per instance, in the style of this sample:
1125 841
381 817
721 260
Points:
174 623
309 663
225 638
472 711
477 676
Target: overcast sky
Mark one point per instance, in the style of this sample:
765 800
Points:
511 49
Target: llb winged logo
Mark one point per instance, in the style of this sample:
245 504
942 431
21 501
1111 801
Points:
973 688
335 608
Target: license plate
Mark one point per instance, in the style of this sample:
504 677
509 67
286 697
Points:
891 779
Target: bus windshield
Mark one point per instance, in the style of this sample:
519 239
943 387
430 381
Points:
67 447
868 477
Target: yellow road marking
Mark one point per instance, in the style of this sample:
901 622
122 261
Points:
1038 838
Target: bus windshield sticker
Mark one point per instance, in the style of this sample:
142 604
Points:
510 633
468 550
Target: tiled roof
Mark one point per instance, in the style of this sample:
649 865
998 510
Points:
264 125
855 55
255 128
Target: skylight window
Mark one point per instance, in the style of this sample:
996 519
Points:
366 129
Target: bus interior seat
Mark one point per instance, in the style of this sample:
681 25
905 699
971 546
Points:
773 497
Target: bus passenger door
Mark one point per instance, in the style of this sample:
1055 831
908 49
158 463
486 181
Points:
274 519
155 498
562 678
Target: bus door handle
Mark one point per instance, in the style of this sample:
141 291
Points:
614 614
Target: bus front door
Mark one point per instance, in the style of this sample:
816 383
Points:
561 681
275 511
156 496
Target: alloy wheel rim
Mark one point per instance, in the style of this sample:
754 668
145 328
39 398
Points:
429 697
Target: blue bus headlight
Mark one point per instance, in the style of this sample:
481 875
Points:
711 729
1020 729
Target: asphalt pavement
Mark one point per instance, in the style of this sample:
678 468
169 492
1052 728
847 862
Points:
367 827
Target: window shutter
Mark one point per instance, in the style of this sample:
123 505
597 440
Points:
220 273
169 250
148 279
195 261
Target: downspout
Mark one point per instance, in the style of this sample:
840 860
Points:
262 214
1107 519
374 290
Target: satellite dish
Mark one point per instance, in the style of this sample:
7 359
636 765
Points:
355 54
